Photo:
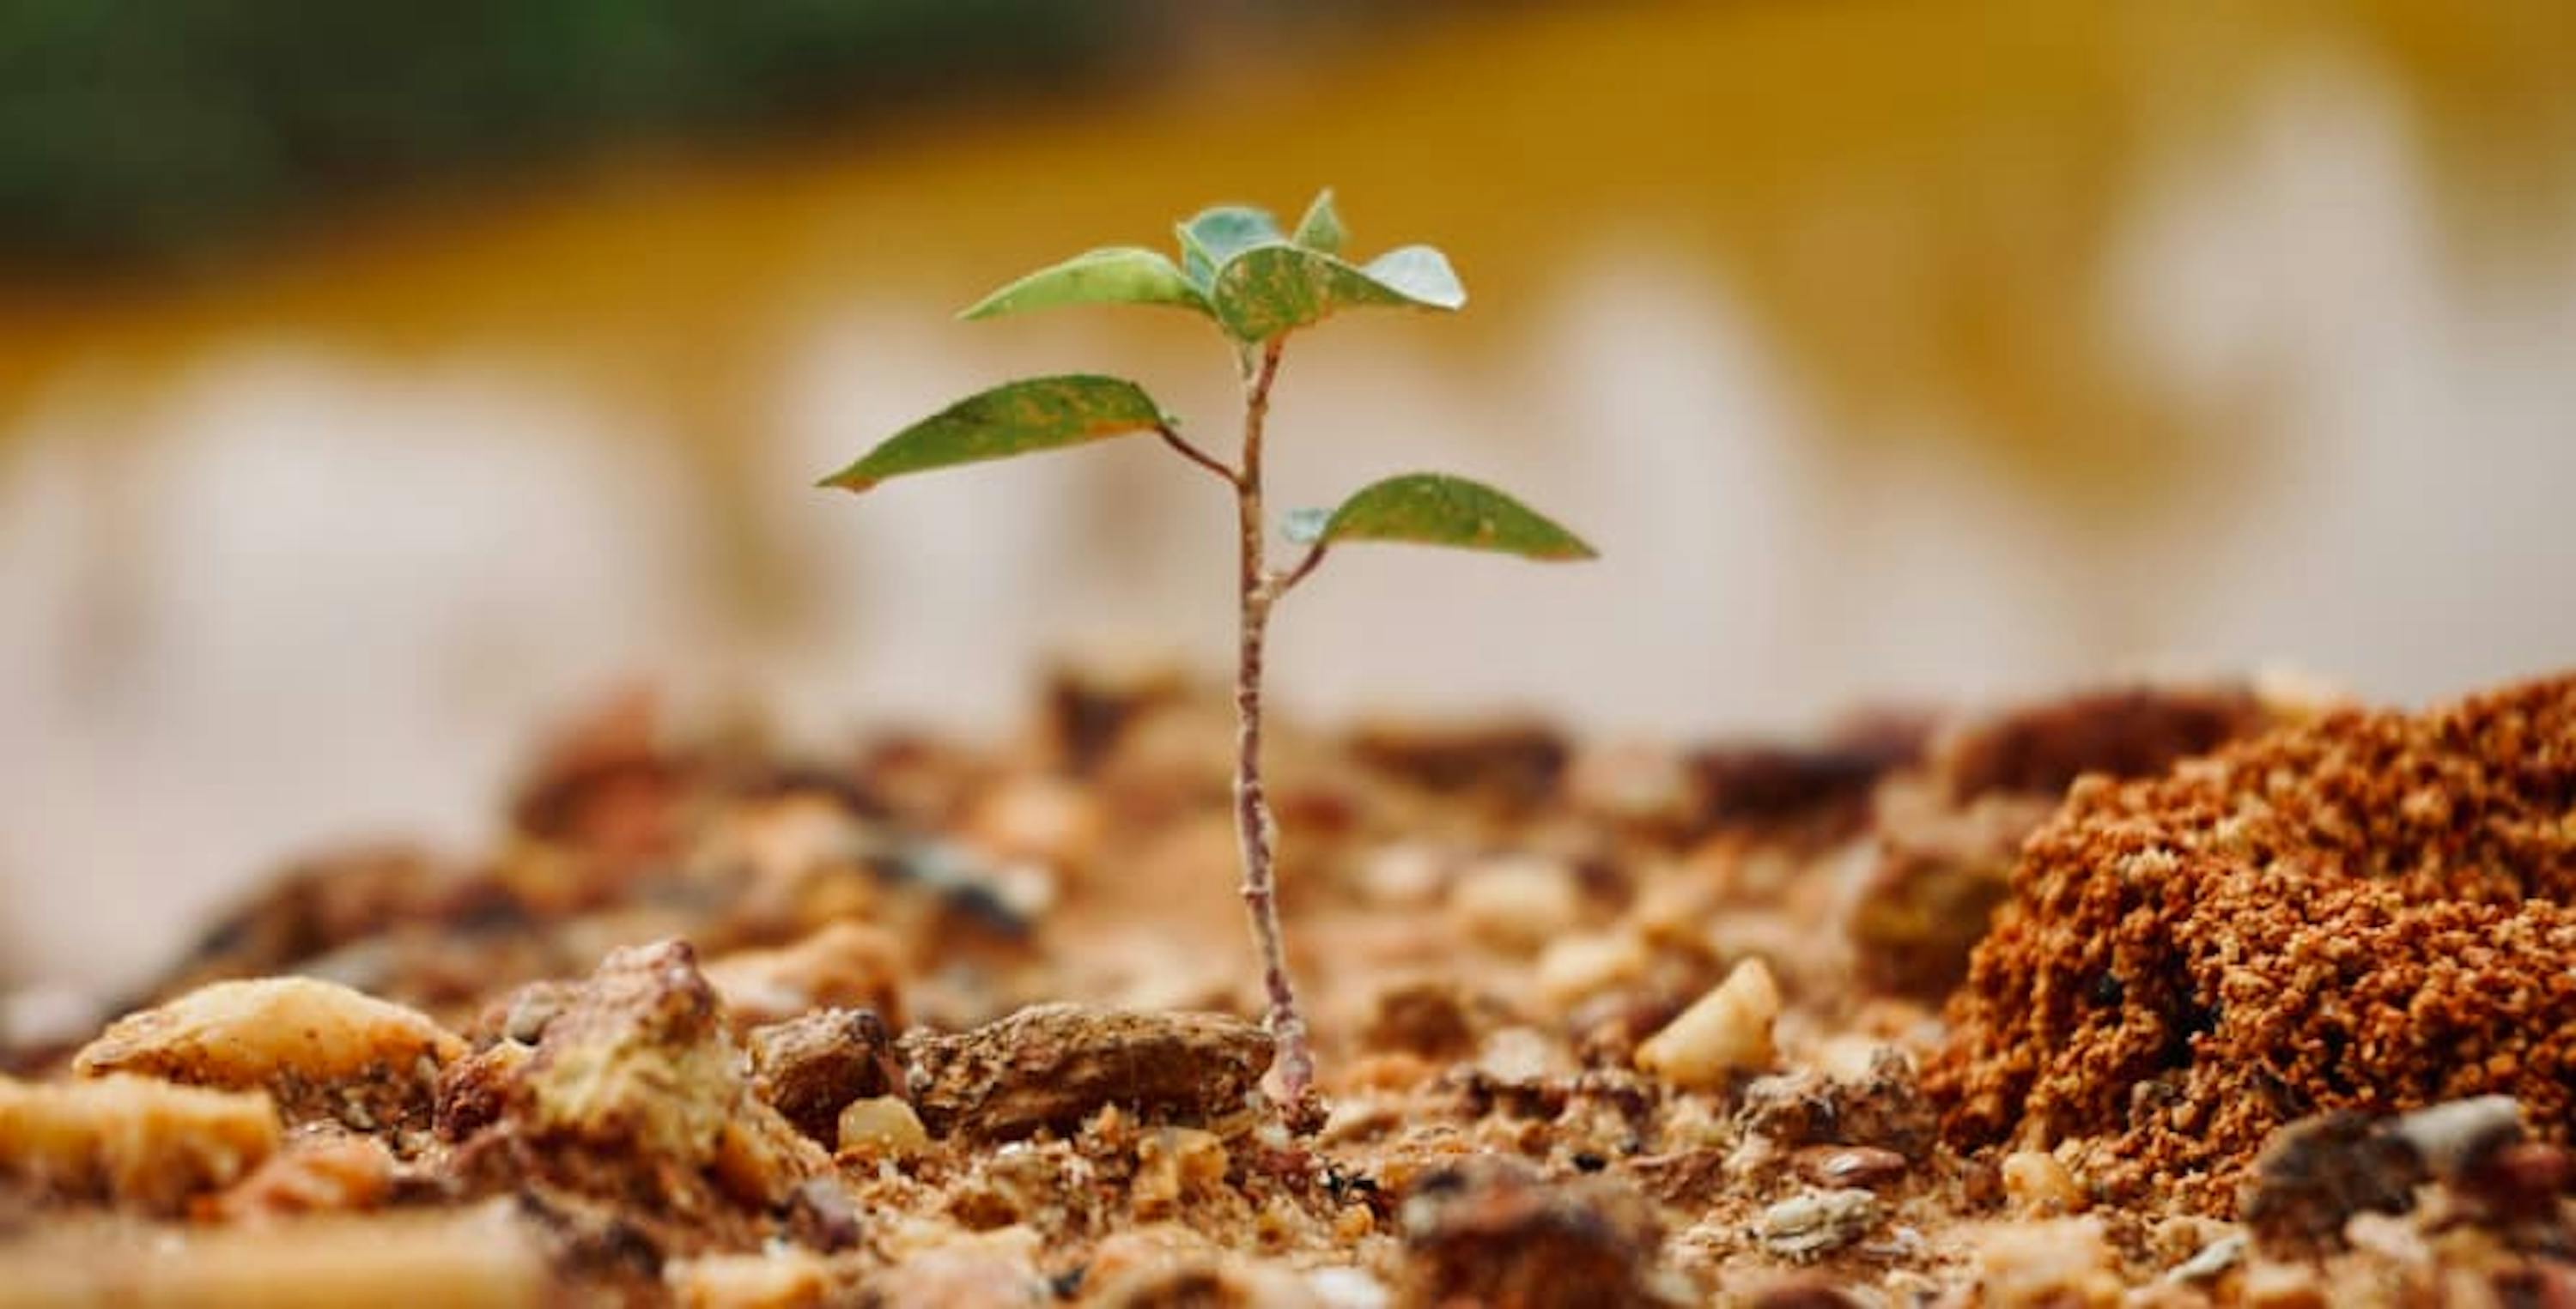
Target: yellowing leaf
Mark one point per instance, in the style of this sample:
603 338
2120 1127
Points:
1016 418
1271 289
1111 275
1437 509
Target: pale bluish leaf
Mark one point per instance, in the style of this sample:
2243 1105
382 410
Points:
1422 273
1218 234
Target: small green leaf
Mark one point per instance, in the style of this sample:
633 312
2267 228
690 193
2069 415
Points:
1436 509
1321 229
1305 526
1016 418
1271 289
1123 274
1217 235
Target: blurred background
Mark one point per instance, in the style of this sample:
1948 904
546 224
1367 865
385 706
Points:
379 383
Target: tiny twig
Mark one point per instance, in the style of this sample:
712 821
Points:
1181 445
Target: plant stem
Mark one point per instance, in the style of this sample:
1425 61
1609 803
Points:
1254 828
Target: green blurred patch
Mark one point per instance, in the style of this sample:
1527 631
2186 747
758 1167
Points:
149 127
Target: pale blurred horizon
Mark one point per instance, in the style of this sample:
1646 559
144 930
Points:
1886 356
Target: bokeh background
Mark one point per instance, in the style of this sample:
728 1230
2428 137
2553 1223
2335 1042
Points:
379 383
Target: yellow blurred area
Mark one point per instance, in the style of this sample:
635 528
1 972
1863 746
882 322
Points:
1888 348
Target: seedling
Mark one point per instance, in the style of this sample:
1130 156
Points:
1258 285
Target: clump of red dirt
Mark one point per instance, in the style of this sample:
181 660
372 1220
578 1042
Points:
2371 911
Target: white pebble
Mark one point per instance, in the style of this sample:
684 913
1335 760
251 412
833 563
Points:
1575 968
1516 903
1727 1031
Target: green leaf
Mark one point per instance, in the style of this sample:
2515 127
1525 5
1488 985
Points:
1321 229
1436 509
1276 288
1122 274
1016 418
1217 235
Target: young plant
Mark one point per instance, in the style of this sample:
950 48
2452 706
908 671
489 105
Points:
1258 285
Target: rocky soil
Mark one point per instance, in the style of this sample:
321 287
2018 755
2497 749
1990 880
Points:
2274 1009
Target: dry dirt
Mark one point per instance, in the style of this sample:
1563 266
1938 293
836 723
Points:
2282 1020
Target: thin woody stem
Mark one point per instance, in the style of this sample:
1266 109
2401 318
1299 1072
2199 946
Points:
1254 827
1202 458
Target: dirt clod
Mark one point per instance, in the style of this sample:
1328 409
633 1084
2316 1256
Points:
2369 912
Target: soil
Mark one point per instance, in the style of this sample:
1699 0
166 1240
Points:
2273 1010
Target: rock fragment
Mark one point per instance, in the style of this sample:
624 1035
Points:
1884 1107
808 1068
321 1050
327 1172
1490 1232
2319 1172
130 1140
880 1125
1840 1167
633 1091
479 1258
1054 1065
1817 1222
2039 1184
1725 1033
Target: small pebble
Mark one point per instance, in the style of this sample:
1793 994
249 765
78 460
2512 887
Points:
2455 1133
1816 1222
1404 875
1175 1162
1522 1056
1726 1032
2214 1258
1842 1166
2062 1263
1516 903
882 1125
2037 1184
1574 968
